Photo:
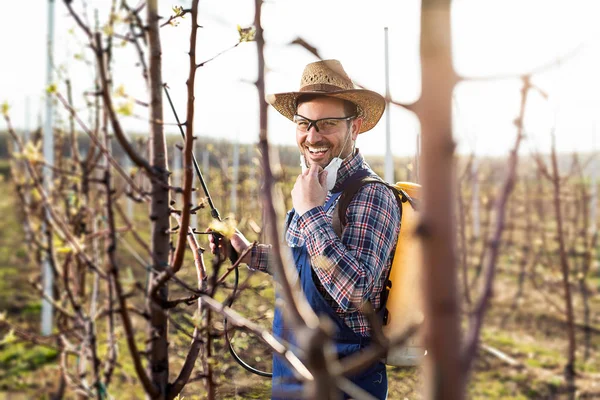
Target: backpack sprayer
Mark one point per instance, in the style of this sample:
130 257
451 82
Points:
404 302
233 255
402 294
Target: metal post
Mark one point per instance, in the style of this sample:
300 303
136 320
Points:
252 172
593 200
176 167
475 198
127 167
234 179
593 188
26 136
389 160
48 148
206 163
27 126
594 194
26 133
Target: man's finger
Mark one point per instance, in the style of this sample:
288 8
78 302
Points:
323 178
210 237
315 169
305 171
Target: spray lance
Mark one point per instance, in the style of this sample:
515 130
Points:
213 210
233 255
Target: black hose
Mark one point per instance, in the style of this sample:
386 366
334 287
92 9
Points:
235 356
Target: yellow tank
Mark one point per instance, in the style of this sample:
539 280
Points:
404 303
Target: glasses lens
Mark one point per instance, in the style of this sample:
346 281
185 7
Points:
301 123
329 125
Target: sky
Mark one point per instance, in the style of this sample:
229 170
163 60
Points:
493 43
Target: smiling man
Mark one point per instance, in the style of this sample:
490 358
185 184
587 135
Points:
340 265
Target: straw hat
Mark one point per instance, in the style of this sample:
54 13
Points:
328 78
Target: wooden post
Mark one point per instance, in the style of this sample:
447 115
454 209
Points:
158 346
437 229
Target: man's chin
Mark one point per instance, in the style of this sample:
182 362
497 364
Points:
320 161
321 164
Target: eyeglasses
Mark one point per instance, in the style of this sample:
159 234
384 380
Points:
322 125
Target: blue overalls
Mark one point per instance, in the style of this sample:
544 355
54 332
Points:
373 379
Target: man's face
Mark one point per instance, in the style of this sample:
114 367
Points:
321 147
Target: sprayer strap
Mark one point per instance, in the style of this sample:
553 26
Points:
351 189
339 219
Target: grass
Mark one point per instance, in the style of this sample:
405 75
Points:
19 358
532 334
18 361
4 168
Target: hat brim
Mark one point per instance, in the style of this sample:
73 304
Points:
371 104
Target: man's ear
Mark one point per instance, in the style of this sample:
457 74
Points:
356 125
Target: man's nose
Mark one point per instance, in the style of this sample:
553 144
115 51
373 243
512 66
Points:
312 136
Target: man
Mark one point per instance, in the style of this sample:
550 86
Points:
338 272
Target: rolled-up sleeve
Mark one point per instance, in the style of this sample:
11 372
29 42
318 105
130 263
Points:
259 257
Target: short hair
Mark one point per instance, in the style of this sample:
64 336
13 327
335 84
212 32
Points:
350 109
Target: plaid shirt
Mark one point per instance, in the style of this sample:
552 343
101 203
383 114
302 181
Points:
353 269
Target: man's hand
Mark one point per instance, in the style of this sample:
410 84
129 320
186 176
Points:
238 242
310 189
